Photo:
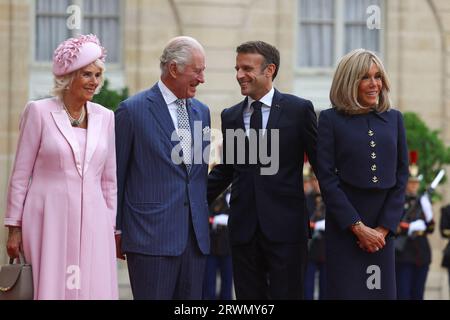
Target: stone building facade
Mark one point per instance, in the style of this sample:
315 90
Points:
414 43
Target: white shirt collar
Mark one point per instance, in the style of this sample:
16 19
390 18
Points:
168 95
266 100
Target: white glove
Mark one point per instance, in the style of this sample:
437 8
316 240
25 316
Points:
320 225
418 225
227 198
426 207
220 220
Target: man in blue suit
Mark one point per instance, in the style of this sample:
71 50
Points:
162 213
268 222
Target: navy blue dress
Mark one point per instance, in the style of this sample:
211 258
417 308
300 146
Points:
362 170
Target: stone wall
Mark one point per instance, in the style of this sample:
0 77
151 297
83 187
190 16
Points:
416 51
14 56
220 26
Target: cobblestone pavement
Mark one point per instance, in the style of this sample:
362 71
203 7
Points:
436 287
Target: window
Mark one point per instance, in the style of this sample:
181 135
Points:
100 17
316 33
357 34
330 28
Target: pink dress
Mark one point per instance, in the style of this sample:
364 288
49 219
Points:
63 193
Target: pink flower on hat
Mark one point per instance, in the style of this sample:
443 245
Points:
75 53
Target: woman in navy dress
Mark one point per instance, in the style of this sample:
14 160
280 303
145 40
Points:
362 170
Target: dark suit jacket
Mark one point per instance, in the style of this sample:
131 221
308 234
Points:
154 193
366 152
274 202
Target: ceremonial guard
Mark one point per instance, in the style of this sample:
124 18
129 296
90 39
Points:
445 232
219 259
316 245
413 252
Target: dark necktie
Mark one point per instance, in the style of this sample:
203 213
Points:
256 118
256 124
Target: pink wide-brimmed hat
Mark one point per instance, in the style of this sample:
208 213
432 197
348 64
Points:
76 53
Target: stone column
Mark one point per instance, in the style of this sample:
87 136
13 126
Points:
14 61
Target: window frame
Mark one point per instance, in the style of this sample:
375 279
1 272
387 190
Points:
339 37
44 65
40 80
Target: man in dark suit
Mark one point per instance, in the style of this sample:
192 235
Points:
162 211
268 224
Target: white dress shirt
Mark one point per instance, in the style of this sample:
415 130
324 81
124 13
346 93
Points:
265 111
170 99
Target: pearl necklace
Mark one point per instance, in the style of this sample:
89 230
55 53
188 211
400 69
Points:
75 122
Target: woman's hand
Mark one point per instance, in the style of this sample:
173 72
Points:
14 241
369 240
383 231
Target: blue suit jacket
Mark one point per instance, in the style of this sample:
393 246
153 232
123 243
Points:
365 151
154 193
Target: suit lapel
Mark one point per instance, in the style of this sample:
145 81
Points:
237 118
93 134
275 111
161 113
64 126
194 116
239 115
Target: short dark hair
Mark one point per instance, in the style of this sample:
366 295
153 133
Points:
269 52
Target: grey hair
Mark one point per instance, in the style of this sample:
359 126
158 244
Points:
179 50
62 83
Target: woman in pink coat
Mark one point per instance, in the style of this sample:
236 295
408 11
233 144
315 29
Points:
62 194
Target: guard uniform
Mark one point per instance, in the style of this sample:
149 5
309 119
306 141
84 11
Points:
413 252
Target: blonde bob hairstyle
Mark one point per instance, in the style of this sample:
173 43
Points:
351 69
62 83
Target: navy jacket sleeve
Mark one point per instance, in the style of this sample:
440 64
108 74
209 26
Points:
124 142
221 175
393 207
310 135
335 199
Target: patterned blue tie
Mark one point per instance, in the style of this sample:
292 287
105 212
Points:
184 132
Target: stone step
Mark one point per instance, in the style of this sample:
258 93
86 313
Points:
437 287
124 281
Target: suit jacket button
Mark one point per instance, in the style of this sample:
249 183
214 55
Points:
372 144
374 179
374 167
370 133
373 155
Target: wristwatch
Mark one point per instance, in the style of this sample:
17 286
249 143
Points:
357 223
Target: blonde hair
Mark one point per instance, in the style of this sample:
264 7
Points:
351 69
62 83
